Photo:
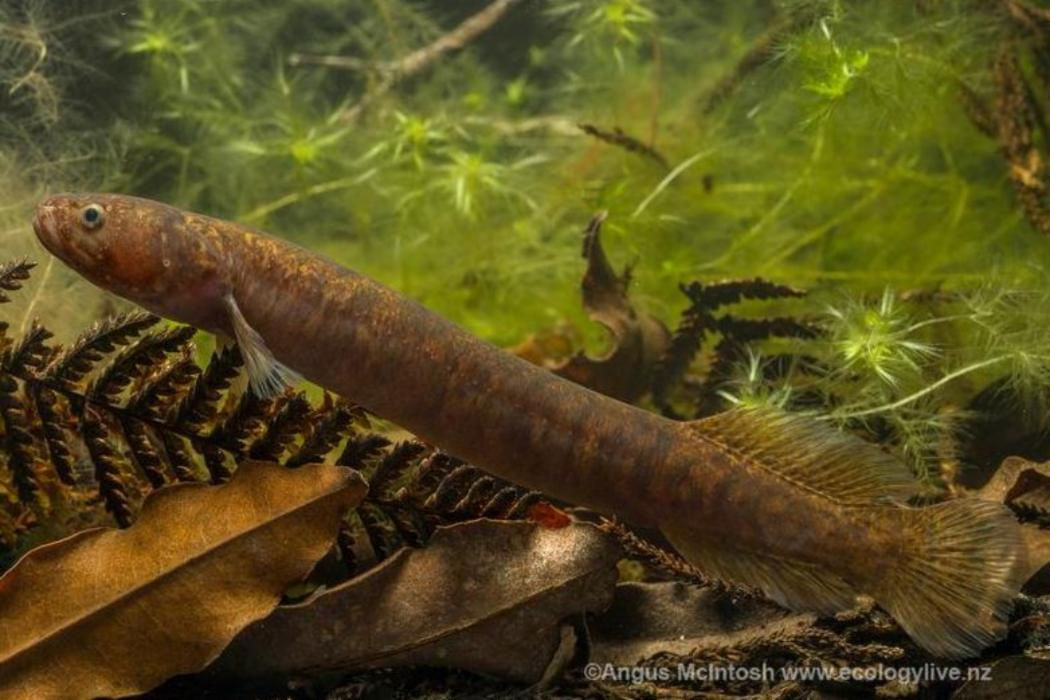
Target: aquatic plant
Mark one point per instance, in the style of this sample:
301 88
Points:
455 151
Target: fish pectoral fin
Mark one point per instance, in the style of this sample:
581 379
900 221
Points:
810 453
266 376
793 584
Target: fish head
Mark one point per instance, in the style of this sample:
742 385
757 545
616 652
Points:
150 253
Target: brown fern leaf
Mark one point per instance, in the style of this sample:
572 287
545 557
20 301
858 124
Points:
502 503
411 525
246 422
179 456
432 470
146 451
165 391
685 344
284 428
451 489
478 495
133 363
107 462
699 319
218 461
745 330
382 531
392 467
330 426
69 368
30 354
511 503
18 441
359 450
55 418
201 405
714 296
658 558
12 275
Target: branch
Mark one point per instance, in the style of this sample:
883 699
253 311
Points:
415 62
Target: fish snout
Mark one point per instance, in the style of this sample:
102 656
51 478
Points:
46 226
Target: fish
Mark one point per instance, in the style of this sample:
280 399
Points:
812 516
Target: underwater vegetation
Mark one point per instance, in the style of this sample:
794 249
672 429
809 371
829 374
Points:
454 151
826 207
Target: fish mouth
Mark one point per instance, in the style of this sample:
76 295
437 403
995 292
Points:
45 226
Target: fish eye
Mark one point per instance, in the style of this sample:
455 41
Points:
92 216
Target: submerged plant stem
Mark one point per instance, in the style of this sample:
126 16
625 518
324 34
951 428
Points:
910 398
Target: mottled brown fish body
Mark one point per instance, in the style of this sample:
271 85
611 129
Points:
781 502
482 404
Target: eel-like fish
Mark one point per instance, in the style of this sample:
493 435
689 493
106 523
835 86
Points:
809 515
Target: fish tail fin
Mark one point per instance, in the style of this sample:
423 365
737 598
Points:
953 586
959 563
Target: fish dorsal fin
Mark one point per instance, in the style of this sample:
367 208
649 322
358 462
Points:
811 454
266 376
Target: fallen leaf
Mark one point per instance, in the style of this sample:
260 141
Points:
114 612
1025 486
485 596
1019 482
646 619
1012 678
639 340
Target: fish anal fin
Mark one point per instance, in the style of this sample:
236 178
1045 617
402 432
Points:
809 453
266 376
795 585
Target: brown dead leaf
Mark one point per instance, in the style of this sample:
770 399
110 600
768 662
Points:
1019 482
115 612
1025 485
646 619
1012 678
639 340
485 596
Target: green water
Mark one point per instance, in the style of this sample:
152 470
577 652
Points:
827 145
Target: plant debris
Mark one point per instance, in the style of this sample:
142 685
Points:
115 612
485 596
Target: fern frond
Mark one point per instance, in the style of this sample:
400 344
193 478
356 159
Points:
108 467
30 353
165 391
360 449
12 275
18 440
284 428
201 405
392 467
55 418
246 422
330 427
133 363
69 368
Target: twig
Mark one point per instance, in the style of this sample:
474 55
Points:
343 62
553 124
617 137
662 559
415 62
